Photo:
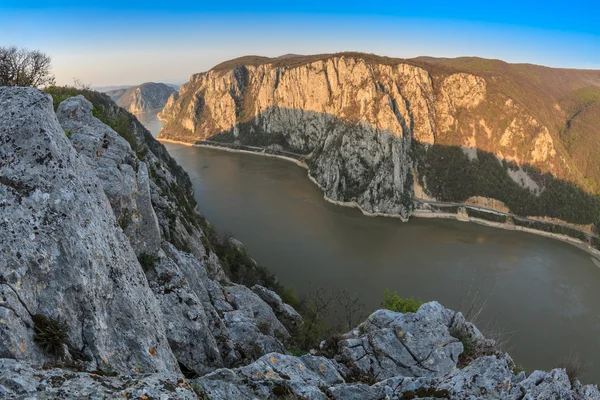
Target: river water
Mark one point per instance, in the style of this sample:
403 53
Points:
541 291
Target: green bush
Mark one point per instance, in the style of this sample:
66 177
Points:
147 261
393 302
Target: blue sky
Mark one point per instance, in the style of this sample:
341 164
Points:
126 42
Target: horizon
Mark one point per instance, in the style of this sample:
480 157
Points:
153 42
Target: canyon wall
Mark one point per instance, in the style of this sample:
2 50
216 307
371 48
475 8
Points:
365 122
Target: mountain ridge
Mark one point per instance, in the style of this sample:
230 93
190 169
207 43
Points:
519 113
145 97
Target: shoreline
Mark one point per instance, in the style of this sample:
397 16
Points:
416 213
510 227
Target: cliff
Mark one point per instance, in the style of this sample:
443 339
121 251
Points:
369 123
114 286
148 96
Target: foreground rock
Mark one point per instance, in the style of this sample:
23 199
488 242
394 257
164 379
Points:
20 380
394 356
209 322
62 254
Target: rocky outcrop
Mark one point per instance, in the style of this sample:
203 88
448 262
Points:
208 323
366 122
20 380
351 115
124 178
63 255
172 309
148 96
394 356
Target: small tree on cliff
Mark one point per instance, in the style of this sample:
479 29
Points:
23 67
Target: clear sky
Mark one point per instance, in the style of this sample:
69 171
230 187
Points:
107 42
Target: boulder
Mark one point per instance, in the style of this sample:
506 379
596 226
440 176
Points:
273 376
19 380
392 344
286 313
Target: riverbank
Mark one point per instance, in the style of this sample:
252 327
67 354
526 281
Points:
511 227
211 146
463 217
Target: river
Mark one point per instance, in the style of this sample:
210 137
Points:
542 292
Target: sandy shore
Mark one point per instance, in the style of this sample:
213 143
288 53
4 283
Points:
417 213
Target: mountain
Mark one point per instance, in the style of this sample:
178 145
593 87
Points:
114 286
377 130
145 97
105 89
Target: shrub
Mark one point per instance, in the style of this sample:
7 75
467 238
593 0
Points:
573 365
147 261
469 347
393 302
51 334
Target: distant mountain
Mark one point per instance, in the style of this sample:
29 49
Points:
381 131
145 97
290 55
105 89
116 94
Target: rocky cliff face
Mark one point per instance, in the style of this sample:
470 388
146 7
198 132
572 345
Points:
142 98
111 288
358 116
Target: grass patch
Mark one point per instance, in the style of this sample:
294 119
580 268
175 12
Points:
51 334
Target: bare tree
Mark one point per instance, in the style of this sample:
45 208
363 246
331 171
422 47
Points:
574 365
79 84
353 310
23 67
326 313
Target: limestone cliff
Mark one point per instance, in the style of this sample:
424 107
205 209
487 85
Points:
82 317
148 96
359 116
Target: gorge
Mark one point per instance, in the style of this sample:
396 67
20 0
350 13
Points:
378 131
137 295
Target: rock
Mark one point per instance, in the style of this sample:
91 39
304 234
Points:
63 254
541 385
124 178
351 116
252 306
366 124
19 380
271 376
285 313
133 325
203 329
486 377
388 344
252 324
189 319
